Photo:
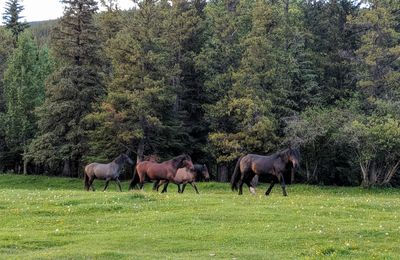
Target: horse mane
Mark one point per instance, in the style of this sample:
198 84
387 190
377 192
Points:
284 154
119 159
176 161
152 158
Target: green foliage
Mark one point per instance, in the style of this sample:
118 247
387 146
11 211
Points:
325 148
379 53
27 69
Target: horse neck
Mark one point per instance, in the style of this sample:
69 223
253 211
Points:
175 162
119 162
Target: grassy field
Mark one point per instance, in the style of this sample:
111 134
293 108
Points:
51 218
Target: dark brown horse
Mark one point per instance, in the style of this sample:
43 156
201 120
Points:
154 171
251 165
184 176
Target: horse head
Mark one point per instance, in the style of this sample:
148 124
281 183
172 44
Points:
123 158
185 161
293 156
204 171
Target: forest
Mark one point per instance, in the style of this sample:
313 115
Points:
214 79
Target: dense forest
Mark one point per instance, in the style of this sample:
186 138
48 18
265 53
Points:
215 79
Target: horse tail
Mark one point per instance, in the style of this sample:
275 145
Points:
86 179
236 174
135 180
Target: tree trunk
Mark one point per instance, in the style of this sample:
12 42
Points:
390 173
25 170
67 169
222 173
140 151
25 162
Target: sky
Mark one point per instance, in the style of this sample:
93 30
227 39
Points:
39 10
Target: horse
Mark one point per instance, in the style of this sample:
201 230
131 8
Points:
184 176
109 171
250 165
159 171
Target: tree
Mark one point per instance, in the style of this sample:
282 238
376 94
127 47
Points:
379 53
332 45
12 18
6 48
143 93
226 22
71 90
27 69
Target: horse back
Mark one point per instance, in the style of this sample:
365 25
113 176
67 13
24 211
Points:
153 170
259 164
183 175
89 168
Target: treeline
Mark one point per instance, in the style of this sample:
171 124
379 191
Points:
215 79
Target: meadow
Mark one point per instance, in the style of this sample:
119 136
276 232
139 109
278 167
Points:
53 218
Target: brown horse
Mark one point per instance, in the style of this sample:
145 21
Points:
184 176
159 171
251 165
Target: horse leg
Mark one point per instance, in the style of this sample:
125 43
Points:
183 187
119 184
159 184
156 185
165 187
283 185
91 183
107 182
249 182
179 188
141 181
195 187
251 188
241 187
270 188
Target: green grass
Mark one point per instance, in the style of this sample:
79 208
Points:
53 218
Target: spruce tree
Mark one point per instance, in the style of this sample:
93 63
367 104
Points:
145 100
12 16
71 90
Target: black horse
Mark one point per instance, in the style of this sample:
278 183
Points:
251 165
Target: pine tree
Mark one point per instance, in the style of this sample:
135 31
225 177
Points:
27 69
12 18
71 90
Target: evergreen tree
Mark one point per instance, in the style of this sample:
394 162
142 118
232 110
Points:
332 46
12 18
27 69
185 41
226 22
379 53
143 92
71 90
